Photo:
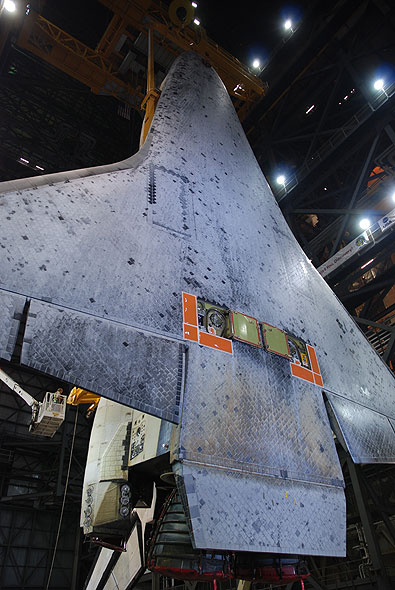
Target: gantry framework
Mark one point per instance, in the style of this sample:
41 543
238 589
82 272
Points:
329 133
108 68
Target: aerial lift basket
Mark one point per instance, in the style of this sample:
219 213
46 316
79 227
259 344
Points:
51 414
48 415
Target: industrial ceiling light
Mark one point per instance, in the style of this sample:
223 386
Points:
393 197
256 63
364 223
196 21
281 179
194 4
288 24
379 84
9 5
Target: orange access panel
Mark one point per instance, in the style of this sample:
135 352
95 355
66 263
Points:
189 308
191 333
313 376
302 373
216 342
318 380
313 360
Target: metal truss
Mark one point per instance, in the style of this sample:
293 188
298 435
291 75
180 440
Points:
325 128
101 68
370 561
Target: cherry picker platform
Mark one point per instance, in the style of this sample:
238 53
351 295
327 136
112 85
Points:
48 415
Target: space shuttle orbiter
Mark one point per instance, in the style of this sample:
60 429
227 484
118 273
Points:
171 283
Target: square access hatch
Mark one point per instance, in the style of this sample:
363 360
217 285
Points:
245 328
275 340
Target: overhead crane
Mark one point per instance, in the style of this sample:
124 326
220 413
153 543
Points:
171 28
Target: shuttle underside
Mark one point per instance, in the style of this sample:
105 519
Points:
109 266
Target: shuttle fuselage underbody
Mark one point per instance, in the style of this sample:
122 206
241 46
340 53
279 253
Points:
119 267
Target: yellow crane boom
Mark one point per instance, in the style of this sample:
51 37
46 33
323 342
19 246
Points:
99 68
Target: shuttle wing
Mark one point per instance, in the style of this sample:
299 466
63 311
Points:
99 260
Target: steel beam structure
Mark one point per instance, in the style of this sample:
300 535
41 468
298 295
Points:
101 68
362 178
329 132
367 503
378 566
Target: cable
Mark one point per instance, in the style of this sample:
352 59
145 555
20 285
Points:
64 500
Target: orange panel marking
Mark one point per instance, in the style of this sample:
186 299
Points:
216 342
313 359
302 373
191 333
318 380
189 306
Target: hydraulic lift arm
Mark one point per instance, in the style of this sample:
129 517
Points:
48 415
15 387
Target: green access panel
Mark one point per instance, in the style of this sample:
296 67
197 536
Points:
275 340
245 328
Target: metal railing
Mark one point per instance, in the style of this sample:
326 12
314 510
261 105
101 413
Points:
379 338
325 234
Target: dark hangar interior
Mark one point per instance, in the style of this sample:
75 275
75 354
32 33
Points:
320 120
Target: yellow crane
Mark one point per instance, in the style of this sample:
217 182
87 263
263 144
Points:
79 396
172 29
